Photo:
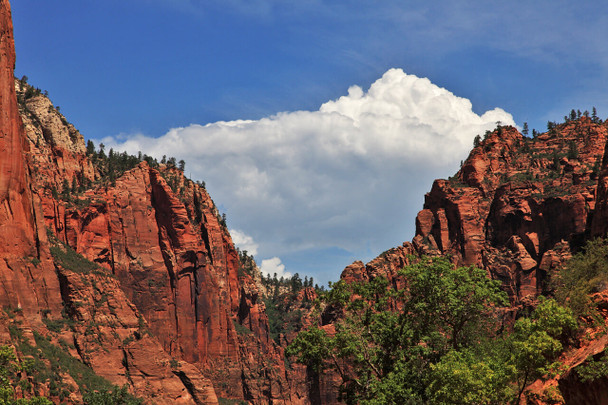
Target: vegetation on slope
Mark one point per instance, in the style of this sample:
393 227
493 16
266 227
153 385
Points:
441 340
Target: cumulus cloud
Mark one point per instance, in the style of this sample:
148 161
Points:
244 241
272 266
350 175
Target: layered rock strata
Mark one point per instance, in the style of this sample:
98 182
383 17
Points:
165 307
518 206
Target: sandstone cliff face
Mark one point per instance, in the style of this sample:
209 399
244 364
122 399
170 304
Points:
39 285
24 285
161 236
518 206
177 264
168 310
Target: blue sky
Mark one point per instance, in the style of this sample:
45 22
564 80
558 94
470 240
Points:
326 185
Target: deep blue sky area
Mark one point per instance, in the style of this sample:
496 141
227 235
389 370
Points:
122 68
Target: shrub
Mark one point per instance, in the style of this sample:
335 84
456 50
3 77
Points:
585 273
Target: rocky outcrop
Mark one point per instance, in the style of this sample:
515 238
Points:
113 338
573 385
177 264
165 308
56 148
27 276
518 206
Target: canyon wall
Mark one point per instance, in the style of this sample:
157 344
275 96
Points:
136 271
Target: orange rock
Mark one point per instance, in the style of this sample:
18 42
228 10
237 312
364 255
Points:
513 189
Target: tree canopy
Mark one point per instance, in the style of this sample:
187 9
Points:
439 340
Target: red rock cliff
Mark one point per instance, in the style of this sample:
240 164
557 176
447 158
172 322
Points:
518 206
43 290
161 236
21 236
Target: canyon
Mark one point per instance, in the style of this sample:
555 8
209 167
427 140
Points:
127 265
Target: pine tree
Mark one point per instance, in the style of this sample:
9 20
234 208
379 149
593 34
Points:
477 141
594 116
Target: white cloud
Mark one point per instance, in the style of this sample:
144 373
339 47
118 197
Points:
351 175
244 242
272 266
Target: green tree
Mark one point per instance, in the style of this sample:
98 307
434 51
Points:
469 377
537 341
572 150
390 338
90 148
585 273
433 342
594 117
101 154
477 141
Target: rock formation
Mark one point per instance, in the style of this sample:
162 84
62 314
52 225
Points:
135 269
22 236
161 304
518 207
161 236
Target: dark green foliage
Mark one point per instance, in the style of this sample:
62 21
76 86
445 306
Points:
54 325
46 362
477 141
70 260
283 309
536 342
241 329
594 117
585 273
91 149
434 342
555 161
595 171
246 263
112 165
594 368
117 396
10 372
282 317
572 150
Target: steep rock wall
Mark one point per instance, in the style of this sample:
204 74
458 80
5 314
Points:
27 277
106 327
518 206
162 237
